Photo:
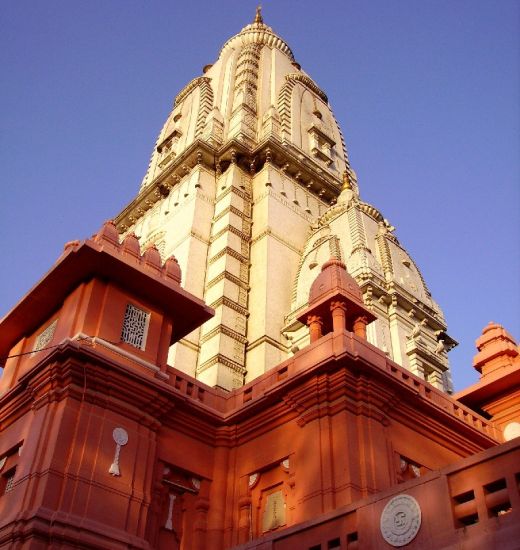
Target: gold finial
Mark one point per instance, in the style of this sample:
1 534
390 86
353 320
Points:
258 16
347 182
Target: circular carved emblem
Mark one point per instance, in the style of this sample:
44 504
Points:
120 436
400 520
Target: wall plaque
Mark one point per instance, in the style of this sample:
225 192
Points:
400 520
274 513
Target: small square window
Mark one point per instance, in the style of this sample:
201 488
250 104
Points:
45 337
135 326
8 480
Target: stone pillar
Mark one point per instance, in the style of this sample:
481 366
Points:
223 339
244 519
216 517
339 317
201 524
360 326
315 325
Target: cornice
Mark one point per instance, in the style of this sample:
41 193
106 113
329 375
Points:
317 381
316 179
199 153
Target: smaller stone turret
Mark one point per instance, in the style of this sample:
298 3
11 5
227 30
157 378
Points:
108 295
335 303
497 349
497 393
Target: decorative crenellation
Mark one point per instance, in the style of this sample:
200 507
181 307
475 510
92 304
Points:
130 250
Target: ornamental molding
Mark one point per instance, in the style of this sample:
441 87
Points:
198 154
285 97
236 191
223 329
228 276
222 360
259 34
227 302
266 340
232 210
227 251
327 394
297 209
199 81
308 83
229 229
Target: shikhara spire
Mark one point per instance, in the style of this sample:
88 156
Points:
251 187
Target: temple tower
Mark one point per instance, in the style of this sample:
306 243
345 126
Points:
250 186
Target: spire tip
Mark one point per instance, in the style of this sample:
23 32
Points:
258 16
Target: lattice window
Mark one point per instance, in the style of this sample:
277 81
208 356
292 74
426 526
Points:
135 326
45 337
9 480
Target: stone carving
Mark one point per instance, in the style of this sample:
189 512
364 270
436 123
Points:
120 436
416 330
253 478
400 520
440 346
285 463
195 481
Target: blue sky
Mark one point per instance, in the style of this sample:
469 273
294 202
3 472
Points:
426 93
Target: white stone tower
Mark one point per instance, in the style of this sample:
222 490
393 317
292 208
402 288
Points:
250 186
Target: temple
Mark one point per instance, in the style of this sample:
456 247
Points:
246 357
